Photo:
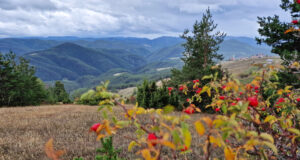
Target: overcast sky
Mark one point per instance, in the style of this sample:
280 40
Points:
140 18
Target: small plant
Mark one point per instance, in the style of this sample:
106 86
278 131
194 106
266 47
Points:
108 152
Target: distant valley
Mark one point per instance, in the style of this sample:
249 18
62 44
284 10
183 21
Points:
85 62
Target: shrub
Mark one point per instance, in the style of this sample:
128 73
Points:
246 125
94 97
151 96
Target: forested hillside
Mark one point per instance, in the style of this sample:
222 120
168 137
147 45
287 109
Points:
85 62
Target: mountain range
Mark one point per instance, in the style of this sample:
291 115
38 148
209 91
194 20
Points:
73 59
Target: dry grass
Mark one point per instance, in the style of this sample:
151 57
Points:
239 67
24 132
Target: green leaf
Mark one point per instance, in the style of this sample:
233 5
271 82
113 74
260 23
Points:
123 123
186 134
224 109
207 77
104 114
176 137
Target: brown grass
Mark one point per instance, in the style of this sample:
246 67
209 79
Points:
24 132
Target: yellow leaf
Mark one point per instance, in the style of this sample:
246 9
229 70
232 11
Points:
131 145
280 92
140 110
122 102
208 121
219 102
206 89
269 118
100 136
229 154
218 122
99 129
287 89
200 128
187 138
267 137
147 155
209 92
255 83
168 144
166 126
271 145
130 112
158 111
214 141
294 130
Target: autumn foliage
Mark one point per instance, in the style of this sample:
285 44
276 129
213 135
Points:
247 124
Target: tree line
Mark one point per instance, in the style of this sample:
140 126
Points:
20 87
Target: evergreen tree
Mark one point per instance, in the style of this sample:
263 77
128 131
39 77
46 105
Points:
18 85
151 96
273 32
200 50
60 92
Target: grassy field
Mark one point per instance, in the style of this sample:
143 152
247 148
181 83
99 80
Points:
241 66
24 132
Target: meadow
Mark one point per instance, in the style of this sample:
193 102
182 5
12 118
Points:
25 130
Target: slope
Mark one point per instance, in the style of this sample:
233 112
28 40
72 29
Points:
71 61
21 46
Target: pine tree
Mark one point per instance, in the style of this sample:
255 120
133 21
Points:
60 92
18 84
273 32
200 50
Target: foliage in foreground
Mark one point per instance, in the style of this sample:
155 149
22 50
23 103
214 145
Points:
256 120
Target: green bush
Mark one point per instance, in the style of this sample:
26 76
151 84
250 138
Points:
151 96
56 94
95 96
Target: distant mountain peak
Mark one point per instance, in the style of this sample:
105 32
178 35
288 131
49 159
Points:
69 44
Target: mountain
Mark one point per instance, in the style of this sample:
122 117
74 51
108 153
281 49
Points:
247 40
85 62
138 46
238 49
167 53
231 47
21 46
71 61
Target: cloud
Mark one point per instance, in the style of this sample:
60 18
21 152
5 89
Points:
27 4
151 18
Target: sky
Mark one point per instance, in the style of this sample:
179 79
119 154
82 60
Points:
130 18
